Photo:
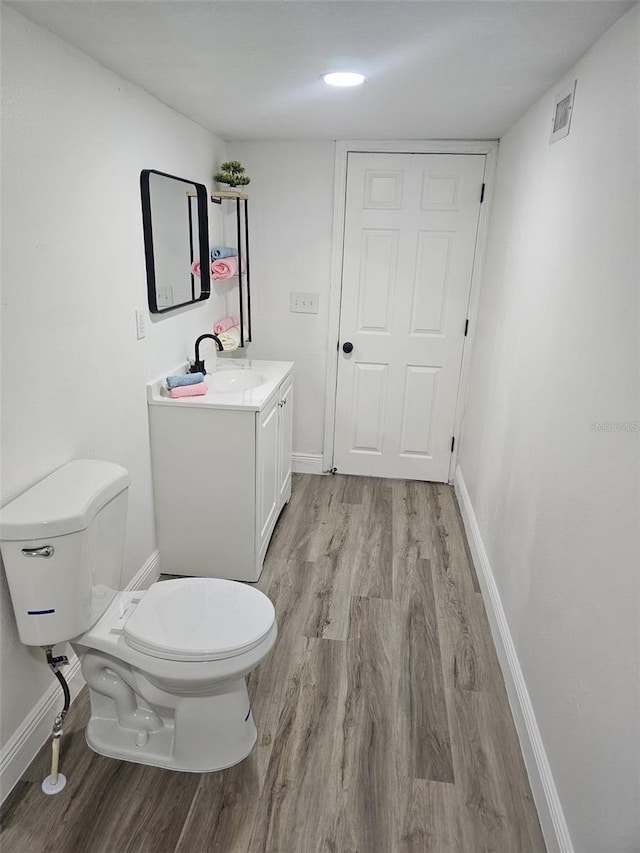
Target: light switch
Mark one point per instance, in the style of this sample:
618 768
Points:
303 303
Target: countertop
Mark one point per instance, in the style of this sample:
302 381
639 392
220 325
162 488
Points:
253 399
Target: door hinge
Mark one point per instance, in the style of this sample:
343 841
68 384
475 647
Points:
453 441
466 327
482 193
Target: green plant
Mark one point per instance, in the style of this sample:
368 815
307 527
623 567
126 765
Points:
232 173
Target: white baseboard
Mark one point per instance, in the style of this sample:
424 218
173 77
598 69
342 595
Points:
307 463
24 744
552 820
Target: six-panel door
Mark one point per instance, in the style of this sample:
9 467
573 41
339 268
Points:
410 234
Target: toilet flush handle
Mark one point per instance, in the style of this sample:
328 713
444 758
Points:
44 551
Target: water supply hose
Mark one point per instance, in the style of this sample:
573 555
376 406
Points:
54 663
55 782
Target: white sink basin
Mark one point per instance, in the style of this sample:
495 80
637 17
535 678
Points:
234 380
238 385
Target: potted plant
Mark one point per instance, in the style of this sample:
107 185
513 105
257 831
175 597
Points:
232 174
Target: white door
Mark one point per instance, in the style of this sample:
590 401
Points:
409 243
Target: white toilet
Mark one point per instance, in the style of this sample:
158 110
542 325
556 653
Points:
165 667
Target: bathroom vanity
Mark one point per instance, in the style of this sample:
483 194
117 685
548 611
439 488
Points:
222 468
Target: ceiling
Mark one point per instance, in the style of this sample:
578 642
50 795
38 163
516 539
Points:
249 69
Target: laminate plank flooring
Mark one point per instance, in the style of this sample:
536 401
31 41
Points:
383 721
422 679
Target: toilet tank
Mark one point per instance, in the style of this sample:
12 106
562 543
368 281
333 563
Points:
62 544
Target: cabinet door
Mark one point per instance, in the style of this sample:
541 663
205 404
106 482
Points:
285 443
267 471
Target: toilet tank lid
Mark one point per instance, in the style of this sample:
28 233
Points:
64 502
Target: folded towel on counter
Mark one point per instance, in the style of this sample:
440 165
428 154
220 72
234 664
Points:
225 268
223 252
224 324
184 379
195 268
189 390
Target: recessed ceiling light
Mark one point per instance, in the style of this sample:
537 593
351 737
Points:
343 78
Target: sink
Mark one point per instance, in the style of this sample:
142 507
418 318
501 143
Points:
234 380
236 385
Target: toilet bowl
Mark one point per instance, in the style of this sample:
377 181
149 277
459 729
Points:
166 671
166 666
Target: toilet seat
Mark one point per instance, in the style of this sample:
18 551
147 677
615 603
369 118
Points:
199 619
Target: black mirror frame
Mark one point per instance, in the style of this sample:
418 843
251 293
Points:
203 241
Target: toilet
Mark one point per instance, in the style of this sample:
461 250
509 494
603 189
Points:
166 667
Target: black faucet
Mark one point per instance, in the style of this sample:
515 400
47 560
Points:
198 365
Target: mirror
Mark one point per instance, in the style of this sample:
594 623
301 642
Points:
176 240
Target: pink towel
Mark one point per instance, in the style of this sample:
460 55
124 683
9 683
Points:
195 268
189 390
225 268
224 324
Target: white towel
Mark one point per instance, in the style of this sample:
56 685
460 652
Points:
231 338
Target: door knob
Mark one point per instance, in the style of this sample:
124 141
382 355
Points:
347 346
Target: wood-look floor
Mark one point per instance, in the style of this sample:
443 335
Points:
383 722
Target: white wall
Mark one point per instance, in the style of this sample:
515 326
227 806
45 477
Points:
74 140
556 351
291 200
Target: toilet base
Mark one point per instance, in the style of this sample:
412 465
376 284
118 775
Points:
198 735
101 737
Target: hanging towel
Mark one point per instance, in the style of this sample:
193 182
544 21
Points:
224 324
225 268
189 390
195 268
184 379
223 252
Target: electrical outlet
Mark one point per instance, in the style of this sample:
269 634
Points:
303 303
141 330
164 296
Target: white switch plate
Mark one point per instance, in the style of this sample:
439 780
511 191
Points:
141 330
303 303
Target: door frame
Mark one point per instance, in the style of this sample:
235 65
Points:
488 147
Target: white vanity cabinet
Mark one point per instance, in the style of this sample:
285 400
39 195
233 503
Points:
273 462
221 474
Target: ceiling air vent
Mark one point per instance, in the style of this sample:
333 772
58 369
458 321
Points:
562 112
